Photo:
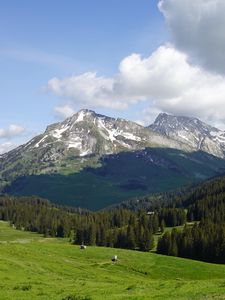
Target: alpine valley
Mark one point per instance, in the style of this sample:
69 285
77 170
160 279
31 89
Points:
93 161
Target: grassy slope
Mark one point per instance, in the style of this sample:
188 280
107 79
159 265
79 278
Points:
37 268
121 177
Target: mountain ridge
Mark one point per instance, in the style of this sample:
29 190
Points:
90 158
84 134
191 131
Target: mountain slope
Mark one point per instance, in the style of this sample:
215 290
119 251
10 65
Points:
93 161
121 176
85 134
192 132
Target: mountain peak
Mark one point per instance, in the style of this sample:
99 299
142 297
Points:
164 117
85 111
166 121
81 114
87 137
191 131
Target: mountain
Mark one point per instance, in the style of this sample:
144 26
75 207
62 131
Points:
93 161
84 135
192 132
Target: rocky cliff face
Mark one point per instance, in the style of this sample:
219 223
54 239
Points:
85 134
92 161
192 132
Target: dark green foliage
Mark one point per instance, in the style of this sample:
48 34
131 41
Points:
202 242
162 226
131 237
206 239
119 228
114 178
172 216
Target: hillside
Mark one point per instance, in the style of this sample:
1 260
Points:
86 133
54 269
120 177
93 161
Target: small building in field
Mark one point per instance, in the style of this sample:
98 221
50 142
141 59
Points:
114 258
150 213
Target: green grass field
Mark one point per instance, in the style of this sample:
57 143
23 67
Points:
32 267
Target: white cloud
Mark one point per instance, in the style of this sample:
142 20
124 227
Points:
165 79
173 85
7 146
64 111
12 131
185 77
88 90
198 28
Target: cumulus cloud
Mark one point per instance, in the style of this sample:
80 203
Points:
198 28
12 131
165 79
87 89
183 77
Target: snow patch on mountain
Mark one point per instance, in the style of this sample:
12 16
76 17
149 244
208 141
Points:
57 133
38 143
80 116
104 130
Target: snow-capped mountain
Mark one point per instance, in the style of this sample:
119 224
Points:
88 133
85 134
191 131
91 160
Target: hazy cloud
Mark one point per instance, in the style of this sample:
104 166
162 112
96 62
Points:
64 111
7 146
36 56
11 132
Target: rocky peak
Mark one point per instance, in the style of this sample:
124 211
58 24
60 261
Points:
86 134
192 132
166 123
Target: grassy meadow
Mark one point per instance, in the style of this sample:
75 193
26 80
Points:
33 267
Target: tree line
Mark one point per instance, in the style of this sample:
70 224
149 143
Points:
206 239
121 228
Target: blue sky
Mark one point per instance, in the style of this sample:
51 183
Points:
112 41
43 39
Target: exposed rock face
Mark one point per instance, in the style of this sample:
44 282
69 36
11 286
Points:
87 135
84 134
100 160
192 132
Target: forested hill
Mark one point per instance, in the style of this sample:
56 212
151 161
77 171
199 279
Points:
182 197
200 211
114 228
206 239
